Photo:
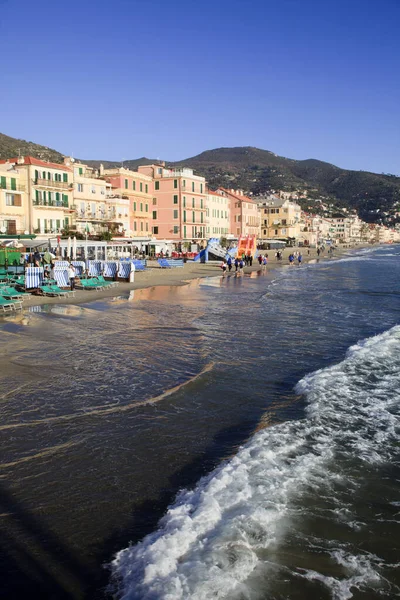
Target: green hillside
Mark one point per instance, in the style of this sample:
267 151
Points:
376 197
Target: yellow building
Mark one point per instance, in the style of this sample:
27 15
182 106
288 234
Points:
218 215
49 189
13 200
280 219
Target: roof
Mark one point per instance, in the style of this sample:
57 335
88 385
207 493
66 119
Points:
235 195
30 160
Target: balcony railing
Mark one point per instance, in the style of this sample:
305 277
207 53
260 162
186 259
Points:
51 203
63 185
16 188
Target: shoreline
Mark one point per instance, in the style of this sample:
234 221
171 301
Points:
155 276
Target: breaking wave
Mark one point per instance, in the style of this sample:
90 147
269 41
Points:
224 538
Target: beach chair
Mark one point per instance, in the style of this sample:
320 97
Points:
59 291
9 292
100 279
48 290
89 284
9 305
140 265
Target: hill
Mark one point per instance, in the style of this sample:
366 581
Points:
375 197
11 147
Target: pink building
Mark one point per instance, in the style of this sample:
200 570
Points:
136 190
179 204
245 217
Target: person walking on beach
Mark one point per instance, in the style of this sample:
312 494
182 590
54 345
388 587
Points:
265 261
299 259
229 263
291 259
260 259
318 251
241 265
250 260
71 276
236 264
223 267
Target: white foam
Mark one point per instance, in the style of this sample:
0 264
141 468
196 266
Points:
215 537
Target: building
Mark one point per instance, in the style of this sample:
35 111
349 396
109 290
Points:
280 219
244 218
93 214
13 200
49 189
218 215
179 204
131 198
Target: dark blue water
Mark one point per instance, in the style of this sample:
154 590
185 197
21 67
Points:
110 410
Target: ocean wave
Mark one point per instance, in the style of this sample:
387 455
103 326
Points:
219 540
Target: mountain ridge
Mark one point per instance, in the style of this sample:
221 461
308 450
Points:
375 196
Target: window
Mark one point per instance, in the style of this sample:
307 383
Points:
154 214
134 185
103 191
80 171
141 225
184 231
159 171
58 199
146 188
134 206
201 203
50 198
276 232
141 207
184 201
134 226
141 186
3 182
36 175
184 217
193 217
175 214
65 177
13 183
80 187
193 203
13 200
155 230
175 199
154 201
146 207
44 175
58 224
176 229
93 189
175 184
201 188
147 226
192 186
156 185
202 217
126 184
184 183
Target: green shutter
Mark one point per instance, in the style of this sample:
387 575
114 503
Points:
184 231
66 221
65 177
48 175
58 197
141 186
44 198
134 206
58 224
36 175
80 171
134 185
175 183
147 188
37 197
156 185
45 225
184 217
3 182
126 184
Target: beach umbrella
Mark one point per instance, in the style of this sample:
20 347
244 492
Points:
74 248
69 248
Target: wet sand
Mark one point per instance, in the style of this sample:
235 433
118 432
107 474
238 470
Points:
156 276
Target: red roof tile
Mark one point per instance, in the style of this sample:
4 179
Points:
30 160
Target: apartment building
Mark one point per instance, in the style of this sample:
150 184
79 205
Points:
179 204
280 219
131 197
244 218
13 200
49 189
218 215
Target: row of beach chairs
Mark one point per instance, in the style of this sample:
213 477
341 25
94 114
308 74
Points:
170 263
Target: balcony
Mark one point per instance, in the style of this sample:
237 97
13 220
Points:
50 183
117 199
16 188
51 204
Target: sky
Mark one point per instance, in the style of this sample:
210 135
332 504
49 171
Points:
125 79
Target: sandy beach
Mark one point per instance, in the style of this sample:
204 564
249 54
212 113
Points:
156 276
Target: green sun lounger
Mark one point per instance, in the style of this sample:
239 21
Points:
89 284
9 305
47 290
100 279
9 292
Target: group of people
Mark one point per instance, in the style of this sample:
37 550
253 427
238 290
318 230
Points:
246 260
293 256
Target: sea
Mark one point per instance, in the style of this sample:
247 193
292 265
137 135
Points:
234 438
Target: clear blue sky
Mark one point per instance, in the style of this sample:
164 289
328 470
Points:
125 79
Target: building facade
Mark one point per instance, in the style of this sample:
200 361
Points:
13 200
179 204
218 215
244 215
131 197
280 219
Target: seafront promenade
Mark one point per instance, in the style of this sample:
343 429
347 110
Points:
156 276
